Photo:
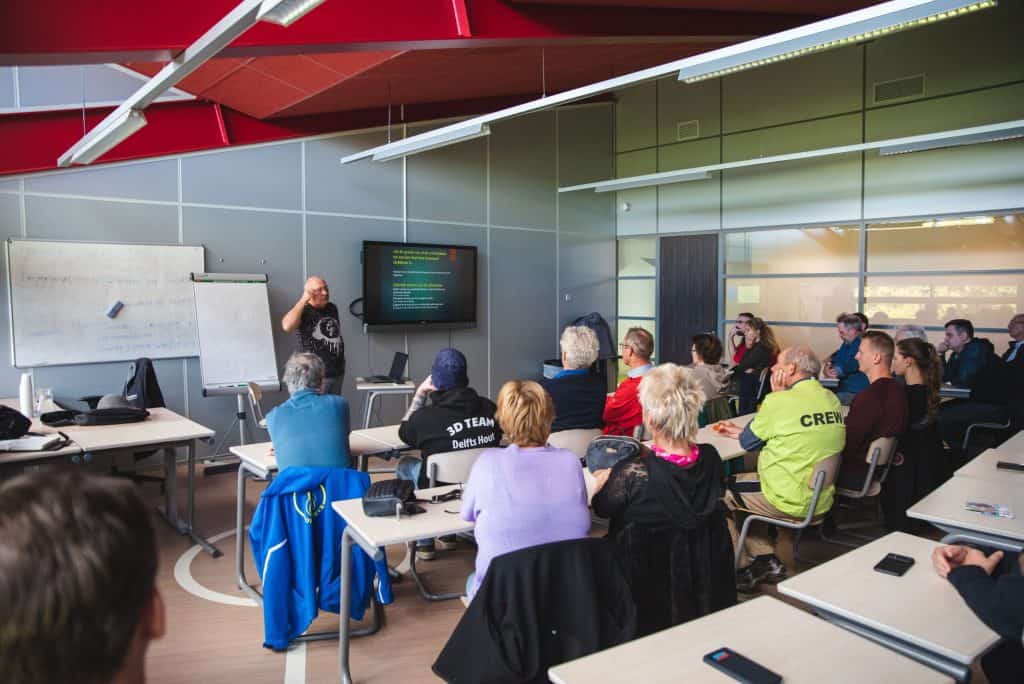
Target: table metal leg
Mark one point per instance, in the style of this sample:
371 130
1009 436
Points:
170 511
958 671
343 628
367 407
979 539
424 592
243 583
198 539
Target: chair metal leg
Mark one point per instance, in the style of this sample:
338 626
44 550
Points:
424 592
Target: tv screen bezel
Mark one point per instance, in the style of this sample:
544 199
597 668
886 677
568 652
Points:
419 325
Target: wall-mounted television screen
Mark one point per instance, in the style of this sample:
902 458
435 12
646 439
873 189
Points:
408 285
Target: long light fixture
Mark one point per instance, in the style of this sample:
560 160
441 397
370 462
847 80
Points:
105 136
885 17
847 29
114 133
952 138
407 147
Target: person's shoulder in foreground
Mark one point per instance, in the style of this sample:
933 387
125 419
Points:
78 566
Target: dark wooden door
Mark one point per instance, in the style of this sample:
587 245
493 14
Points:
688 293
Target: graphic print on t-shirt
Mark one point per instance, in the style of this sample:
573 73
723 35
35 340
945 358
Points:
320 333
327 333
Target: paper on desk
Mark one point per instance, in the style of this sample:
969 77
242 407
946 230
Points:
994 510
30 443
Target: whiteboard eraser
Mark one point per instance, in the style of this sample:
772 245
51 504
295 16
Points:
115 309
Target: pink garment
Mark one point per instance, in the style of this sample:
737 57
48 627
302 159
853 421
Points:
677 459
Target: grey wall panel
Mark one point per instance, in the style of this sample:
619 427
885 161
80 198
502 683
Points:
6 86
586 145
333 247
586 276
693 205
586 211
963 54
635 117
155 180
522 168
976 108
523 290
449 184
10 185
265 176
471 342
679 102
239 241
636 211
102 221
816 190
10 226
794 90
365 187
63 85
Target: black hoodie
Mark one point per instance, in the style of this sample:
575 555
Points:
452 420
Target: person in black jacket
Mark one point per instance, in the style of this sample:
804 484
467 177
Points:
578 393
666 511
762 349
993 587
972 364
445 415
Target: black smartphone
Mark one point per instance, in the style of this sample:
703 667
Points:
1008 465
894 564
732 664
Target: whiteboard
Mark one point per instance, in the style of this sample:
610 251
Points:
60 293
236 340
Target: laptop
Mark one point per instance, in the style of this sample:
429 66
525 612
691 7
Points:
397 373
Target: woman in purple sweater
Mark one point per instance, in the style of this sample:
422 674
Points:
528 493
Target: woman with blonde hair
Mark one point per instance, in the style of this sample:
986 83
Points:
665 509
527 493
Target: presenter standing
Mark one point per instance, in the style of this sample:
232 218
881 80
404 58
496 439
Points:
315 318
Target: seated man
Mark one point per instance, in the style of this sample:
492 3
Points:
843 362
622 412
972 364
445 415
993 587
878 411
78 561
794 430
310 429
577 393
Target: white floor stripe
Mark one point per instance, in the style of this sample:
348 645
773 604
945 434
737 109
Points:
295 664
183 575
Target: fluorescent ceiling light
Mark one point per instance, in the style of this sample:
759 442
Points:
847 29
960 136
235 23
431 140
115 132
895 13
938 141
286 12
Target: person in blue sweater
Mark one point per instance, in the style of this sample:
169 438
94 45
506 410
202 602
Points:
843 363
310 429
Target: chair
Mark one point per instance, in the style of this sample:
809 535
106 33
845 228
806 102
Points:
984 426
575 441
447 466
880 455
822 477
255 397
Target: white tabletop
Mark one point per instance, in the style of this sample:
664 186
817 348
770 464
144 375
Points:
363 386
728 447
386 435
812 650
1015 444
945 506
983 466
386 530
920 607
370 441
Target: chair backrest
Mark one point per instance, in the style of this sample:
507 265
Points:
830 467
452 466
255 396
763 384
883 448
575 441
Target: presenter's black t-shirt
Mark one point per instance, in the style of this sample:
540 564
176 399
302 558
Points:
320 333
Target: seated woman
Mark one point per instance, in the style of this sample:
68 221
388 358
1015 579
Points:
527 493
310 429
762 349
921 464
666 512
706 350
578 393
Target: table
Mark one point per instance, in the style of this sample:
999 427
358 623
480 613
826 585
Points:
378 389
944 508
810 651
256 463
164 430
1015 444
919 614
728 448
983 466
946 391
372 534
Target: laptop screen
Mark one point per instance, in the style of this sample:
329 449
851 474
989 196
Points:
398 366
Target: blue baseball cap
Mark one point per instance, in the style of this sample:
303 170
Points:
449 370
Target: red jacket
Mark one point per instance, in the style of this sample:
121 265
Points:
622 410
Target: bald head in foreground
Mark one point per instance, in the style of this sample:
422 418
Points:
315 320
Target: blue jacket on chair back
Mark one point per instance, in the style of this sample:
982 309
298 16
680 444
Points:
296 543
